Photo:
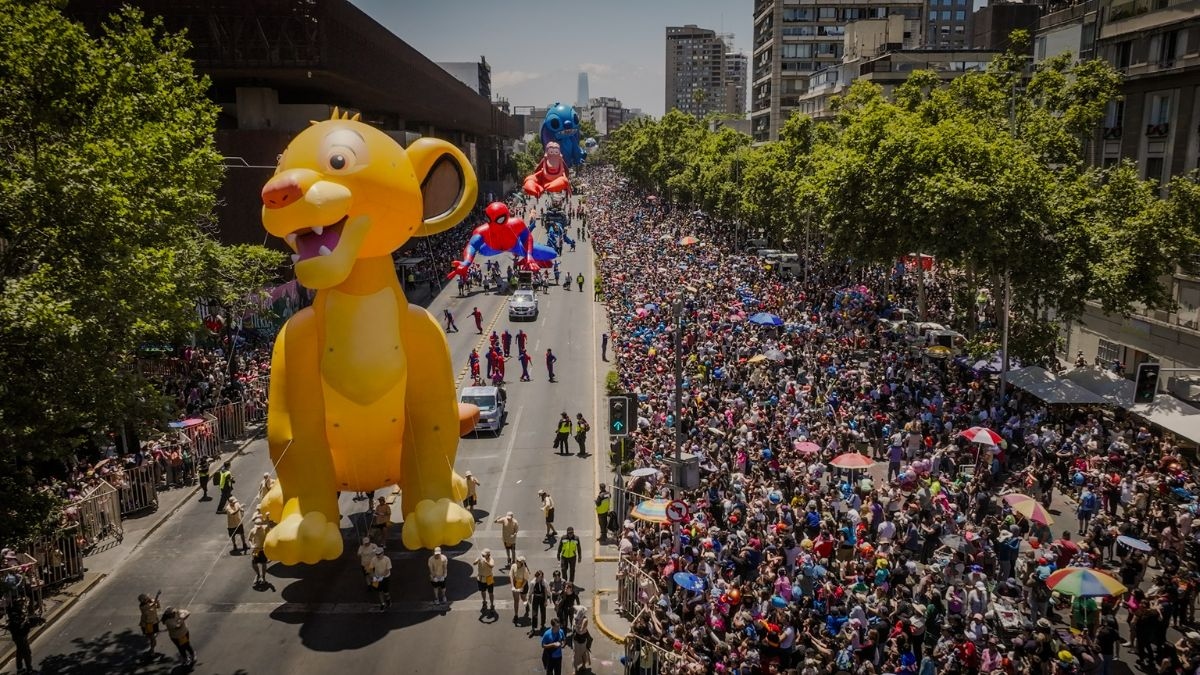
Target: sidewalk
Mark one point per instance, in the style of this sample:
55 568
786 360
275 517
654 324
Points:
137 529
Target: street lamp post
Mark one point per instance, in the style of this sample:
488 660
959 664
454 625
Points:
677 309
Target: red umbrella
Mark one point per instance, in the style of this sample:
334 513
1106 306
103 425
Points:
982 435
852 460
807 448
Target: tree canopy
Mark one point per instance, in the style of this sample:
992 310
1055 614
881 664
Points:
986 172
105 244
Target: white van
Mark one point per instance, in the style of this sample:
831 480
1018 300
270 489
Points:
491 401
789 265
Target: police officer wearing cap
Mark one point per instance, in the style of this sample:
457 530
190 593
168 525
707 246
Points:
603 507
568 554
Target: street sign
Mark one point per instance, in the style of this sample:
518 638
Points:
677 511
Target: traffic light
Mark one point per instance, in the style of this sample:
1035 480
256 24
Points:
1146 385
620 414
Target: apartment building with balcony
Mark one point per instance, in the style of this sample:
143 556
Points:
795 38
1156 46
703 74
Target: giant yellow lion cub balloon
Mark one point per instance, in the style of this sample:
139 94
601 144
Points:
362 391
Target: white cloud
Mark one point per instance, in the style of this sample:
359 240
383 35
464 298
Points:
596 69
511 78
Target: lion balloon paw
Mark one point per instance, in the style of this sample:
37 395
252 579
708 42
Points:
440 523
309 539
458 487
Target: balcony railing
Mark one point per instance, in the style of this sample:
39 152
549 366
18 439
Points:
1158 130
1112 133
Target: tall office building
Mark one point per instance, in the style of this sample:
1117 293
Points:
581 94
796 38
702 74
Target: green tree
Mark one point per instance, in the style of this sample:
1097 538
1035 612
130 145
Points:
240 277
527 161
111 172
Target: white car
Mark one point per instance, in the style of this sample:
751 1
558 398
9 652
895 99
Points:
523 304
491 402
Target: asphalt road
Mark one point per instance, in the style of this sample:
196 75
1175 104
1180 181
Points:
321 619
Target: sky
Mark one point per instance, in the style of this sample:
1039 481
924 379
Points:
537 49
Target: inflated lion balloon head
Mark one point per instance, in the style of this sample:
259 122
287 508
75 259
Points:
344 191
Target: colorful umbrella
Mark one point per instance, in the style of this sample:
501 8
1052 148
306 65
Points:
982 435
1029 507
775 355
807 448
652 511
1085 582
688 581
1135 544
688 241
938 352
765 319
644 471
757 358
852 460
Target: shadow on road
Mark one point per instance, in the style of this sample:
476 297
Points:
122 652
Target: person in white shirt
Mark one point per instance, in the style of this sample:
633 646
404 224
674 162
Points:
439 566
381 572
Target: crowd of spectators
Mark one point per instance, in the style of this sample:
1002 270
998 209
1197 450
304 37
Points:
915 565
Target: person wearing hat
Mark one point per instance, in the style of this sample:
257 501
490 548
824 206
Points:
485 566
518 576
380 520
439 567
175 621
568 554
235 513
224 482
148 621
381 573
509 527
603 508
472 492
366 553
258 555
548 512
562 434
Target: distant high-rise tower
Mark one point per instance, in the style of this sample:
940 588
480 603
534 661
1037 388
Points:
581 96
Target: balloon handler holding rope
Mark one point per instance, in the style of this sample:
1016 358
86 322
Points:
362 390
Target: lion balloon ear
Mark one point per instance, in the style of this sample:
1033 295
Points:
448 184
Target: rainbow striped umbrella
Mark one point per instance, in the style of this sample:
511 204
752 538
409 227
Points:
1085 582
1029 507
651 511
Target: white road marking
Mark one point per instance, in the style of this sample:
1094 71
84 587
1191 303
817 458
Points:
512 440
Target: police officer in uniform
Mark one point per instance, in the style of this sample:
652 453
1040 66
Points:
562 435
568 554
603 507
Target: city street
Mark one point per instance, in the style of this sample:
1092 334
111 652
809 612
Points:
319 619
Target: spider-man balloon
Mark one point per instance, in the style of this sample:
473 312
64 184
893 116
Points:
503 232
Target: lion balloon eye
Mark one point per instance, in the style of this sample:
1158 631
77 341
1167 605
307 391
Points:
337 162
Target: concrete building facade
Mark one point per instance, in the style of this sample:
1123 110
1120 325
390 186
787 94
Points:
795 38
703 75
1156 46
476 75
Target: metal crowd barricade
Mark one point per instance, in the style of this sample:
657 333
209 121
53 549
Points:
20 578
231 420
632 584
643 657
205 438
59 557
99 515
623 502
139 488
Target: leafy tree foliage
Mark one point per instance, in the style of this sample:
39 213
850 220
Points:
111 173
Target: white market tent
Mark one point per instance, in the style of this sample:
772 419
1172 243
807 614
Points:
1166 412
1050 388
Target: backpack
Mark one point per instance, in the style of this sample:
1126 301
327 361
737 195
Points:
1089 502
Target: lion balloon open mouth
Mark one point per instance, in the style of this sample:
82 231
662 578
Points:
315 241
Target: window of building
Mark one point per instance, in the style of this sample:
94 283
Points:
945 15
1088 38
1122 54
1154 169
827 13
959 30
1163 48
960 15
1160 109
1039 49
799 14
1108 352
